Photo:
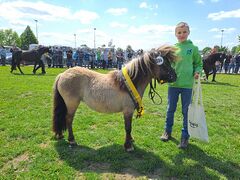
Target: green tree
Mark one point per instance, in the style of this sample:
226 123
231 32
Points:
234 50
9 37
2 37
129 48
223 49
206 50
28 37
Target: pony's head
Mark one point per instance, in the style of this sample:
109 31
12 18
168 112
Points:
161 59
43 49
154 64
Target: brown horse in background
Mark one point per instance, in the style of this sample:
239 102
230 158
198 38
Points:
34 56
107 93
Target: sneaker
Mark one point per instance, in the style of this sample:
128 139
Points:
166 136
183 144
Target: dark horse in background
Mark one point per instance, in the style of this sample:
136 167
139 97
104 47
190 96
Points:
33 56
209 64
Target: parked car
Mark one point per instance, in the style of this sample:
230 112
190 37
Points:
8 54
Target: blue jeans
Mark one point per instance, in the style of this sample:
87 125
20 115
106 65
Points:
173 94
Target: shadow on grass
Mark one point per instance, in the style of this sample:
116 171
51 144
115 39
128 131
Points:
218 83
203 164
113 159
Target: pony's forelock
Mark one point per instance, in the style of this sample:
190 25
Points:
137 64
168 52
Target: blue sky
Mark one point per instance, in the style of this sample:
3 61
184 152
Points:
141 24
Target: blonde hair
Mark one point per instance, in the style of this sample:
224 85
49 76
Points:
181 25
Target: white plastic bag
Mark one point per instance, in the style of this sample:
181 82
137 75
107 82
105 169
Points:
197 126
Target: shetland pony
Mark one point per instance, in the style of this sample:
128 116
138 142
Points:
29 56
107 93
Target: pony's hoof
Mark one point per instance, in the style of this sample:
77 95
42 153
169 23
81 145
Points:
72 144
59 136
130 149
129 146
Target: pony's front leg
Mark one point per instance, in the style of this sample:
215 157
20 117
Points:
214 74
128 145
19 69
34 68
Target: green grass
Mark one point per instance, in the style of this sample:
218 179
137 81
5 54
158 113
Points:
29 151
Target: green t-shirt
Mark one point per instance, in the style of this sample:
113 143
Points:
189 62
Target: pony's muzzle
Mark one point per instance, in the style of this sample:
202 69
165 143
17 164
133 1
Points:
172 76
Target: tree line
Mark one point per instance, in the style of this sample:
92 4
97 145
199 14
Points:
8 37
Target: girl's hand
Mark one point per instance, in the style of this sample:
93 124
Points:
196 75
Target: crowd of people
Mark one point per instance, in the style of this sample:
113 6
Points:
90 58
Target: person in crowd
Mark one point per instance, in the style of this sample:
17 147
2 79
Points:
81 57
187 68
237 63
120 58
92 58
110 58
69 58
105 58
232 64
214 50
98 58
227 62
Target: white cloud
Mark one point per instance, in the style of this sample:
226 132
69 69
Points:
224 14
225 30
117 25
133 17
200 2
153 28
85 17
143 5
117 11
42 11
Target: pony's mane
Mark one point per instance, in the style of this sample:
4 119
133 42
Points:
142 64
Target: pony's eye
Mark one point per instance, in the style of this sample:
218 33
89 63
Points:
159 60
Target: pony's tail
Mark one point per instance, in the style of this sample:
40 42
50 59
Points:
59 111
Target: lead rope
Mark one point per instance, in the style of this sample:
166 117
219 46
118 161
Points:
152 92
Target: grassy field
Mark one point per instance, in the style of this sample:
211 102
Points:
29 151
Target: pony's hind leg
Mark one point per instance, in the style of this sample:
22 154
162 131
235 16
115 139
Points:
72 105
128 145
214 74
71 139
43 67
